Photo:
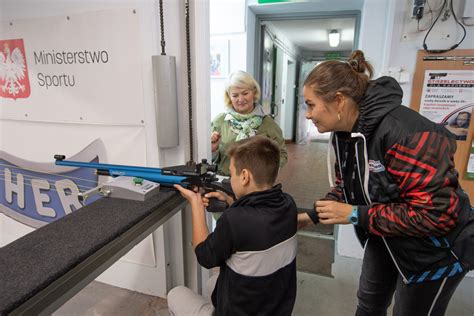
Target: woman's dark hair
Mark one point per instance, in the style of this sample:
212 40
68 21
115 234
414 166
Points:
351 78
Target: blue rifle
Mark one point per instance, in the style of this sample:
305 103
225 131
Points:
192 175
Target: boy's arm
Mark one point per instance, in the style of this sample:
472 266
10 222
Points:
211 249
218 246
200 230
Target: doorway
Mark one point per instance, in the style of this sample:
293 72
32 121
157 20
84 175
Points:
288 47
279 49
303 41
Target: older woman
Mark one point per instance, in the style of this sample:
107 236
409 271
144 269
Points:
244 118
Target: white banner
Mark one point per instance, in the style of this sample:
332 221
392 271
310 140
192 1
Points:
79 68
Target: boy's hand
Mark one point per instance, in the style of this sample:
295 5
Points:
221 196
304 220
193 197
332 212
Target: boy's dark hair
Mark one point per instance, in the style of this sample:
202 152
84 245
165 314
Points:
258 154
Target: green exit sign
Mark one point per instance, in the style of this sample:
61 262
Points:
272 1
332 55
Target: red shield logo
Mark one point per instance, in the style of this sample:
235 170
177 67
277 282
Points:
14 81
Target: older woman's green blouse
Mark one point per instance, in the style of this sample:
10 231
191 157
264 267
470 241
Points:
268 128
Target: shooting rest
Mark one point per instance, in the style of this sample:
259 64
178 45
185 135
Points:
40 271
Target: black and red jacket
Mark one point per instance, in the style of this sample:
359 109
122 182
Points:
397 167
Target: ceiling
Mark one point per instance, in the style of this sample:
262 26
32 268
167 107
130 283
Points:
312 34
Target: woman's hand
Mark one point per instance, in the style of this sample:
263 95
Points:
215 139
332 212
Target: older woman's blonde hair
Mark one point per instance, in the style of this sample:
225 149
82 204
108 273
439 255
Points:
243 80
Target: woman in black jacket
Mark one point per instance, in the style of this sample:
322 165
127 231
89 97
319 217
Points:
396 183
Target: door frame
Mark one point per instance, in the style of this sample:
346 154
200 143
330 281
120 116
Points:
260 18
259 50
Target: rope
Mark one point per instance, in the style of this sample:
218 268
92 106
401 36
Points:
162 29
190 88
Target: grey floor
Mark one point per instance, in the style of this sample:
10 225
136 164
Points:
327 283
102 299
317 295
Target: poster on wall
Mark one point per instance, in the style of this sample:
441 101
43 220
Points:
83 68
219 57
448 99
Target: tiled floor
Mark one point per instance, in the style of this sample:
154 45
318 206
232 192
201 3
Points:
305 177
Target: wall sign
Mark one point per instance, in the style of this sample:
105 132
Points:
36 194
83 68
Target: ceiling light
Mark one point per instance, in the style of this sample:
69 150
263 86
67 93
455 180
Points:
334 37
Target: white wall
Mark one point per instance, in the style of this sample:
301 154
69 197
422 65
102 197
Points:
402 52
250 22
36 145
237 61
227 21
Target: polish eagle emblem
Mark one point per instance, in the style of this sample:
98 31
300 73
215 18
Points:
13 71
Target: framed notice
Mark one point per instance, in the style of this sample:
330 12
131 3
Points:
443 91
448 99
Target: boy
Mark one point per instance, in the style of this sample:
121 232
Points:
254 242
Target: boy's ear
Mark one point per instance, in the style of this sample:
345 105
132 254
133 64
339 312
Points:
245 176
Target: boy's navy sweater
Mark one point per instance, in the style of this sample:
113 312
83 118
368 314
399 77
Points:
254 244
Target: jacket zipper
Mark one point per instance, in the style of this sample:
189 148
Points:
340 170
365 186
365 193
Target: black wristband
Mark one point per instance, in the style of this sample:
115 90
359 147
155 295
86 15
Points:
314 216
